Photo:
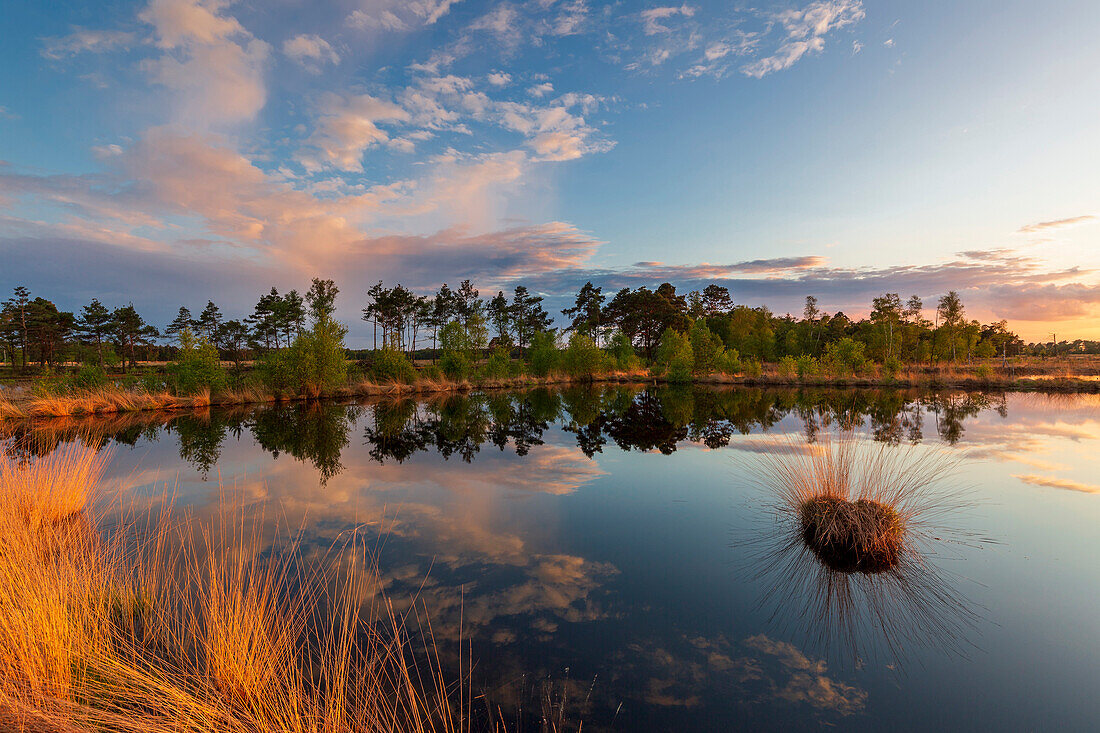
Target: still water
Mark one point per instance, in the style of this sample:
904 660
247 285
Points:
600 548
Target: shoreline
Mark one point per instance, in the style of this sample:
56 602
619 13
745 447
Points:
113 401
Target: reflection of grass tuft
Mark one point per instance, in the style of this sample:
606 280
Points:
173 626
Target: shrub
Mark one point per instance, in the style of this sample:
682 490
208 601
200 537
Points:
499 365
197 366
455 365
706 347
674 356
621 351
754 369
806 366
729 362
432 371
891 367
391 365
314 362
984 372
582 358
543 355
845 357
788 367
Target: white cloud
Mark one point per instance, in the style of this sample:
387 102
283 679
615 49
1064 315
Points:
541 90
83 40
215 66
805 32
652 17
499 79
311 51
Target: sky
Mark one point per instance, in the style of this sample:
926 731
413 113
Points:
167 152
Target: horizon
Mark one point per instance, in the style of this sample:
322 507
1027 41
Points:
169 152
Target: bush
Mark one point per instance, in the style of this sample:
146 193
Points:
455 365
197 366
845 357
806 366
432 372
729 362
788 367
675 359
582 358
543 355
984 372
391 365
891 367
706 348
315 362
754 369
499 365
621 351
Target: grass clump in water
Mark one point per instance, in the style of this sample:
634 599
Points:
862 536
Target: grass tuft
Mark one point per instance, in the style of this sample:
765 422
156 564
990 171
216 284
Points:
175 626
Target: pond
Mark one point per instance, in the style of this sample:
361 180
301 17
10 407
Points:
603 550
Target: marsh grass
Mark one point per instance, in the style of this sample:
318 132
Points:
177 625
852 557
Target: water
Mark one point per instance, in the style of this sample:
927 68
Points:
597 546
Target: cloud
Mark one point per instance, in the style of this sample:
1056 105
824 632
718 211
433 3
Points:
83 40
541 90
499 79
213 64
1043 226
1058 483
311 51
347 127
652 17
805 32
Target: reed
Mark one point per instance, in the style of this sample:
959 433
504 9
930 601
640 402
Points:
167 625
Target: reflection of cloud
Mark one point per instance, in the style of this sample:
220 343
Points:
1058 483
808 682
688 672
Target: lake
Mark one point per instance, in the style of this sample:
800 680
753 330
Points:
609 551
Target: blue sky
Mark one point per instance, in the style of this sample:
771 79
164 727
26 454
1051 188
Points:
171 151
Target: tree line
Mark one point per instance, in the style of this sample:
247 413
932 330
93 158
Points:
642 320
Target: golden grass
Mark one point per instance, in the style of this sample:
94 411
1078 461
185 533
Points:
181 627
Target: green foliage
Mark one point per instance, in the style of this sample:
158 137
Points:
499 365
754 368
729 362
984 372
621 351
806 366
90 376
891 367
315 362
391 365
845 357
706 347
543 356
582 358
788 367
457 359
675 359
197 366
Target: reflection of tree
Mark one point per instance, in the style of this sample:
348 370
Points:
952 408
316 432
201 438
